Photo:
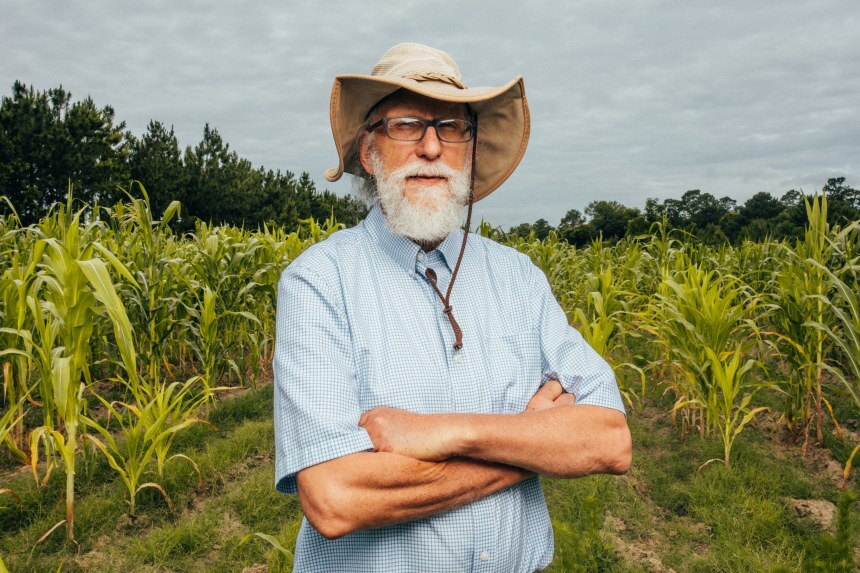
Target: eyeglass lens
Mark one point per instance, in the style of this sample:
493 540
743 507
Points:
414 128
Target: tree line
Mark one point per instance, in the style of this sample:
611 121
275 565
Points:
708 219
49 143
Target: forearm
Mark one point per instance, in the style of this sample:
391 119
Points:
374 489
564 440
567 441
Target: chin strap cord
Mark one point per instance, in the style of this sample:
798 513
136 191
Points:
431 274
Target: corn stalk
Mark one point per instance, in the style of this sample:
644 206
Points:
799 301
70 290
150 252
14 285
844 332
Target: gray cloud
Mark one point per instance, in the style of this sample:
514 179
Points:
629 100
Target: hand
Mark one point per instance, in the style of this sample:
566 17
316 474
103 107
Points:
420 436
550 395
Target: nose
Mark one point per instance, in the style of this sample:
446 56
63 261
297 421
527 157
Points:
430 146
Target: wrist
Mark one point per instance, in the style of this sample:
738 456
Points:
461 434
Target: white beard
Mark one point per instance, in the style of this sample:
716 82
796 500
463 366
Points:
439 209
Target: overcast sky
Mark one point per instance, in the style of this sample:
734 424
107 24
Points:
629 100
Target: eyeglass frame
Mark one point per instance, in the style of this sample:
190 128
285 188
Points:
473 125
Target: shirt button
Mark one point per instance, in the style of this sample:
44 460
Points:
420 256
458 358
485 556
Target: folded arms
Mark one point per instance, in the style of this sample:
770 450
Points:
423 464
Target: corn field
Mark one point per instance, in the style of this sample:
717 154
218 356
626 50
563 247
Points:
118 334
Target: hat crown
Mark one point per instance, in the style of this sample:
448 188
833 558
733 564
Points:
420 63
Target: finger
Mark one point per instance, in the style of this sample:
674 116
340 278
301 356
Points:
551 390
565 399
539 402
362 420
545 396
532 405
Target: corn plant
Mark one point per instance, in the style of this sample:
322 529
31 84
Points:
799 301
663 245
312 232
15 282
702 321
844 334
603 321
756 264
209 342
600 327
635 267
276 249
63 322
149 251
148 428
70 290
219 279
730 379
58 303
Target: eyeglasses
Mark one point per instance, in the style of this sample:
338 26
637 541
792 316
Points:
414 128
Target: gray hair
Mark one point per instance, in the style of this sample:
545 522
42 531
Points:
363 183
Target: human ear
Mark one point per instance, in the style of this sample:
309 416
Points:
364 154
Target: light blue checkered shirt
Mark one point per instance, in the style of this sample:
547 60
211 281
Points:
359 326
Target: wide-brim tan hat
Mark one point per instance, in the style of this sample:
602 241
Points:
503 112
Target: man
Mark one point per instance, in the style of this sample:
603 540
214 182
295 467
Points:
423 385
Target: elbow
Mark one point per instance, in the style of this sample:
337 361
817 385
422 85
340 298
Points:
607 450
330 526
323 505
610 447
618 455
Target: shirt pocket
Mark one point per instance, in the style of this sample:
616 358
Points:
417 382
515 370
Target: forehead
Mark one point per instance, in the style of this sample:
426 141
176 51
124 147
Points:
407 103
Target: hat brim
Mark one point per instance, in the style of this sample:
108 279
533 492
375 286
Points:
503 121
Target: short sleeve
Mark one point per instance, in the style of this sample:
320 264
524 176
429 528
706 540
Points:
567 357
316 401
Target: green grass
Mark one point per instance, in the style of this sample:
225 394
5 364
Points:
740 516
578 509
666 512
243 445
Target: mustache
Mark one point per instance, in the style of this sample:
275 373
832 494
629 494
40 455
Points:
424 170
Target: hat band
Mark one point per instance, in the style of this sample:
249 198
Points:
435 76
